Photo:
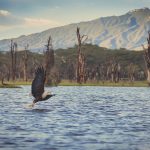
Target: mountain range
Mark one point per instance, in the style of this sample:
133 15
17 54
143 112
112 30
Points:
126 31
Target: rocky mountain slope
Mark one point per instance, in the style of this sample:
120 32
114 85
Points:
126 31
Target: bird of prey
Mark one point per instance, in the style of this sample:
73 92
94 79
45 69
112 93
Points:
37 89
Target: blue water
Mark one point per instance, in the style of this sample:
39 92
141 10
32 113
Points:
77 118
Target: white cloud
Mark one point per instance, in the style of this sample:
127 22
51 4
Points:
12 25
9 20
4 13
40 22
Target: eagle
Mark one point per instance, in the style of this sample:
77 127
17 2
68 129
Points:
37 88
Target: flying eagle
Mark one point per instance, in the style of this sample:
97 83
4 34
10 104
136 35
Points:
37 88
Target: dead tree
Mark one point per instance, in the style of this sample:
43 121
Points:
80 58
55 76
103 72
2 77
70 70
115 71
131 72
13 49
97 73
108 71
8 75
3 73
25 63
147 58
49 58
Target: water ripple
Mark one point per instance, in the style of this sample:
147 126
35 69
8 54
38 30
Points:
76 118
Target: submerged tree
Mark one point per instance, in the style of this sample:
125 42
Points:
80 58
70 70
3 73
147 58
131 72
49 58
13 52
113 71
54 76
25 63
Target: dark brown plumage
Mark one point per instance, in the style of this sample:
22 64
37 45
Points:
38 86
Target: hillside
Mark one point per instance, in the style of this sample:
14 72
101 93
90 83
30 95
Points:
126 31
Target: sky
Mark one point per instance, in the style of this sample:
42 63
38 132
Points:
23 17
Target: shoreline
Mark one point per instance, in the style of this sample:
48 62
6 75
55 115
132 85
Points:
107 83
17 84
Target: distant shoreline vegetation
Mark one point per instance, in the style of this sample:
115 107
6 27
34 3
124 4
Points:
99 65
107 83
18 84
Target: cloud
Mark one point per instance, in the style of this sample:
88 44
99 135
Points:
12 25
7 19
40 22
4 13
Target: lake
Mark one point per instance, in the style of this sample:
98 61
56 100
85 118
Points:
77 118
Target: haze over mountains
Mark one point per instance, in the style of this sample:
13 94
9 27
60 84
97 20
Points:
126 31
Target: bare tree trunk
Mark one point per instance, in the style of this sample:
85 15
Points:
9 73
79 51
131 73
2 81
12 59
113 72
13 50
3 73
148 76
80 58
25 63
15 59
49 58
147 58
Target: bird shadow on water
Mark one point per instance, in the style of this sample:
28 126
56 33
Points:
41 110
37 110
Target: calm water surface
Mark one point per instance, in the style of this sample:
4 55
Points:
78 118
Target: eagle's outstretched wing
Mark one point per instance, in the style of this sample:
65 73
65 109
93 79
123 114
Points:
38 83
